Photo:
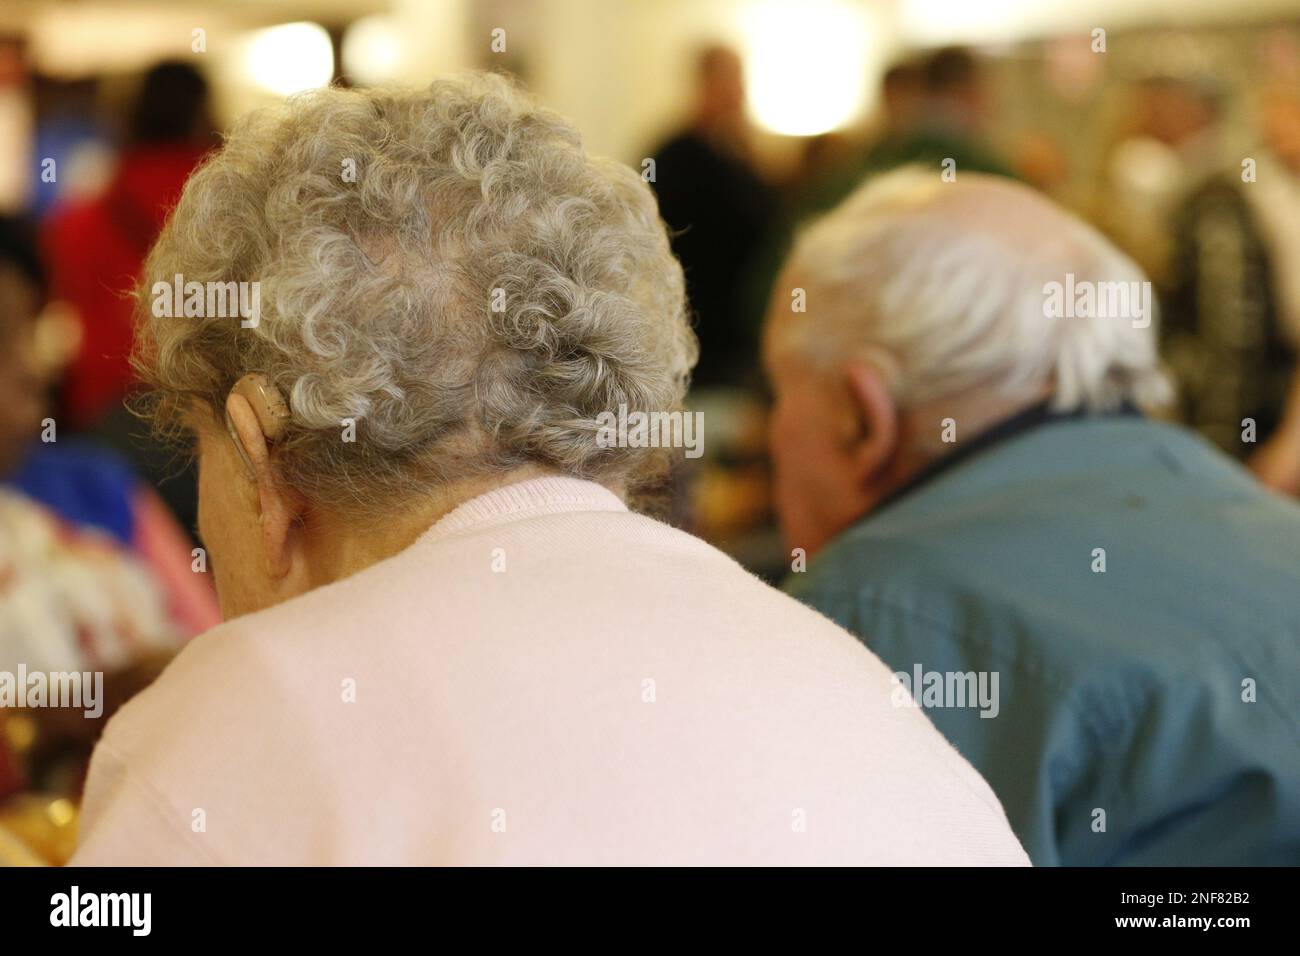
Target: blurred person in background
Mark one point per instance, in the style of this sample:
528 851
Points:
75 493
448 628
949 121
718 207
95 249
1170 147
984 505
94 574
935 108
902 97
1232 319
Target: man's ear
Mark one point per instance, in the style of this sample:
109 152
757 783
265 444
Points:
277 509
877 434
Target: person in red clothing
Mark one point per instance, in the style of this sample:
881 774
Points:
95 249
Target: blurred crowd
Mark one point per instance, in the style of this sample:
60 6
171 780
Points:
1214 229
97 516
97 557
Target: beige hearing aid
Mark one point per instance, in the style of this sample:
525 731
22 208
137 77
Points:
268 405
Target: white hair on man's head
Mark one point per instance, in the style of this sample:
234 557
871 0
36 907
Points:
941 286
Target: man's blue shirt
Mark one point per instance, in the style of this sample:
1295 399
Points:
1147 713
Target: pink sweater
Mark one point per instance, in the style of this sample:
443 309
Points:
542 678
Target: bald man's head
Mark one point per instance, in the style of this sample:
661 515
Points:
921 300
958 284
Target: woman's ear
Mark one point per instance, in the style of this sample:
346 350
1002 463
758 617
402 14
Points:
277 508
877 435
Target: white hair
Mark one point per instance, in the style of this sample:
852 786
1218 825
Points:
942 287
447 268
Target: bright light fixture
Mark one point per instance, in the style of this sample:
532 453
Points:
806 64
290 58
372 50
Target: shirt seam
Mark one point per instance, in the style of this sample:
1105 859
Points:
159 804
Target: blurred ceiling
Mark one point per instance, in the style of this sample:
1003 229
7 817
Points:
77 36
619 68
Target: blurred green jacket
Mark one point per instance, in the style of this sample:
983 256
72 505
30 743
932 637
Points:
1144 714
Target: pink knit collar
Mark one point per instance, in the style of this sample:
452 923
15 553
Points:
525 499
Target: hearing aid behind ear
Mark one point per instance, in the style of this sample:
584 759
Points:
268 405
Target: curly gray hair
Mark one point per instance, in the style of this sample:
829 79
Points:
473 298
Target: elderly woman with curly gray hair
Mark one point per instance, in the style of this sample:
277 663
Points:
447 638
